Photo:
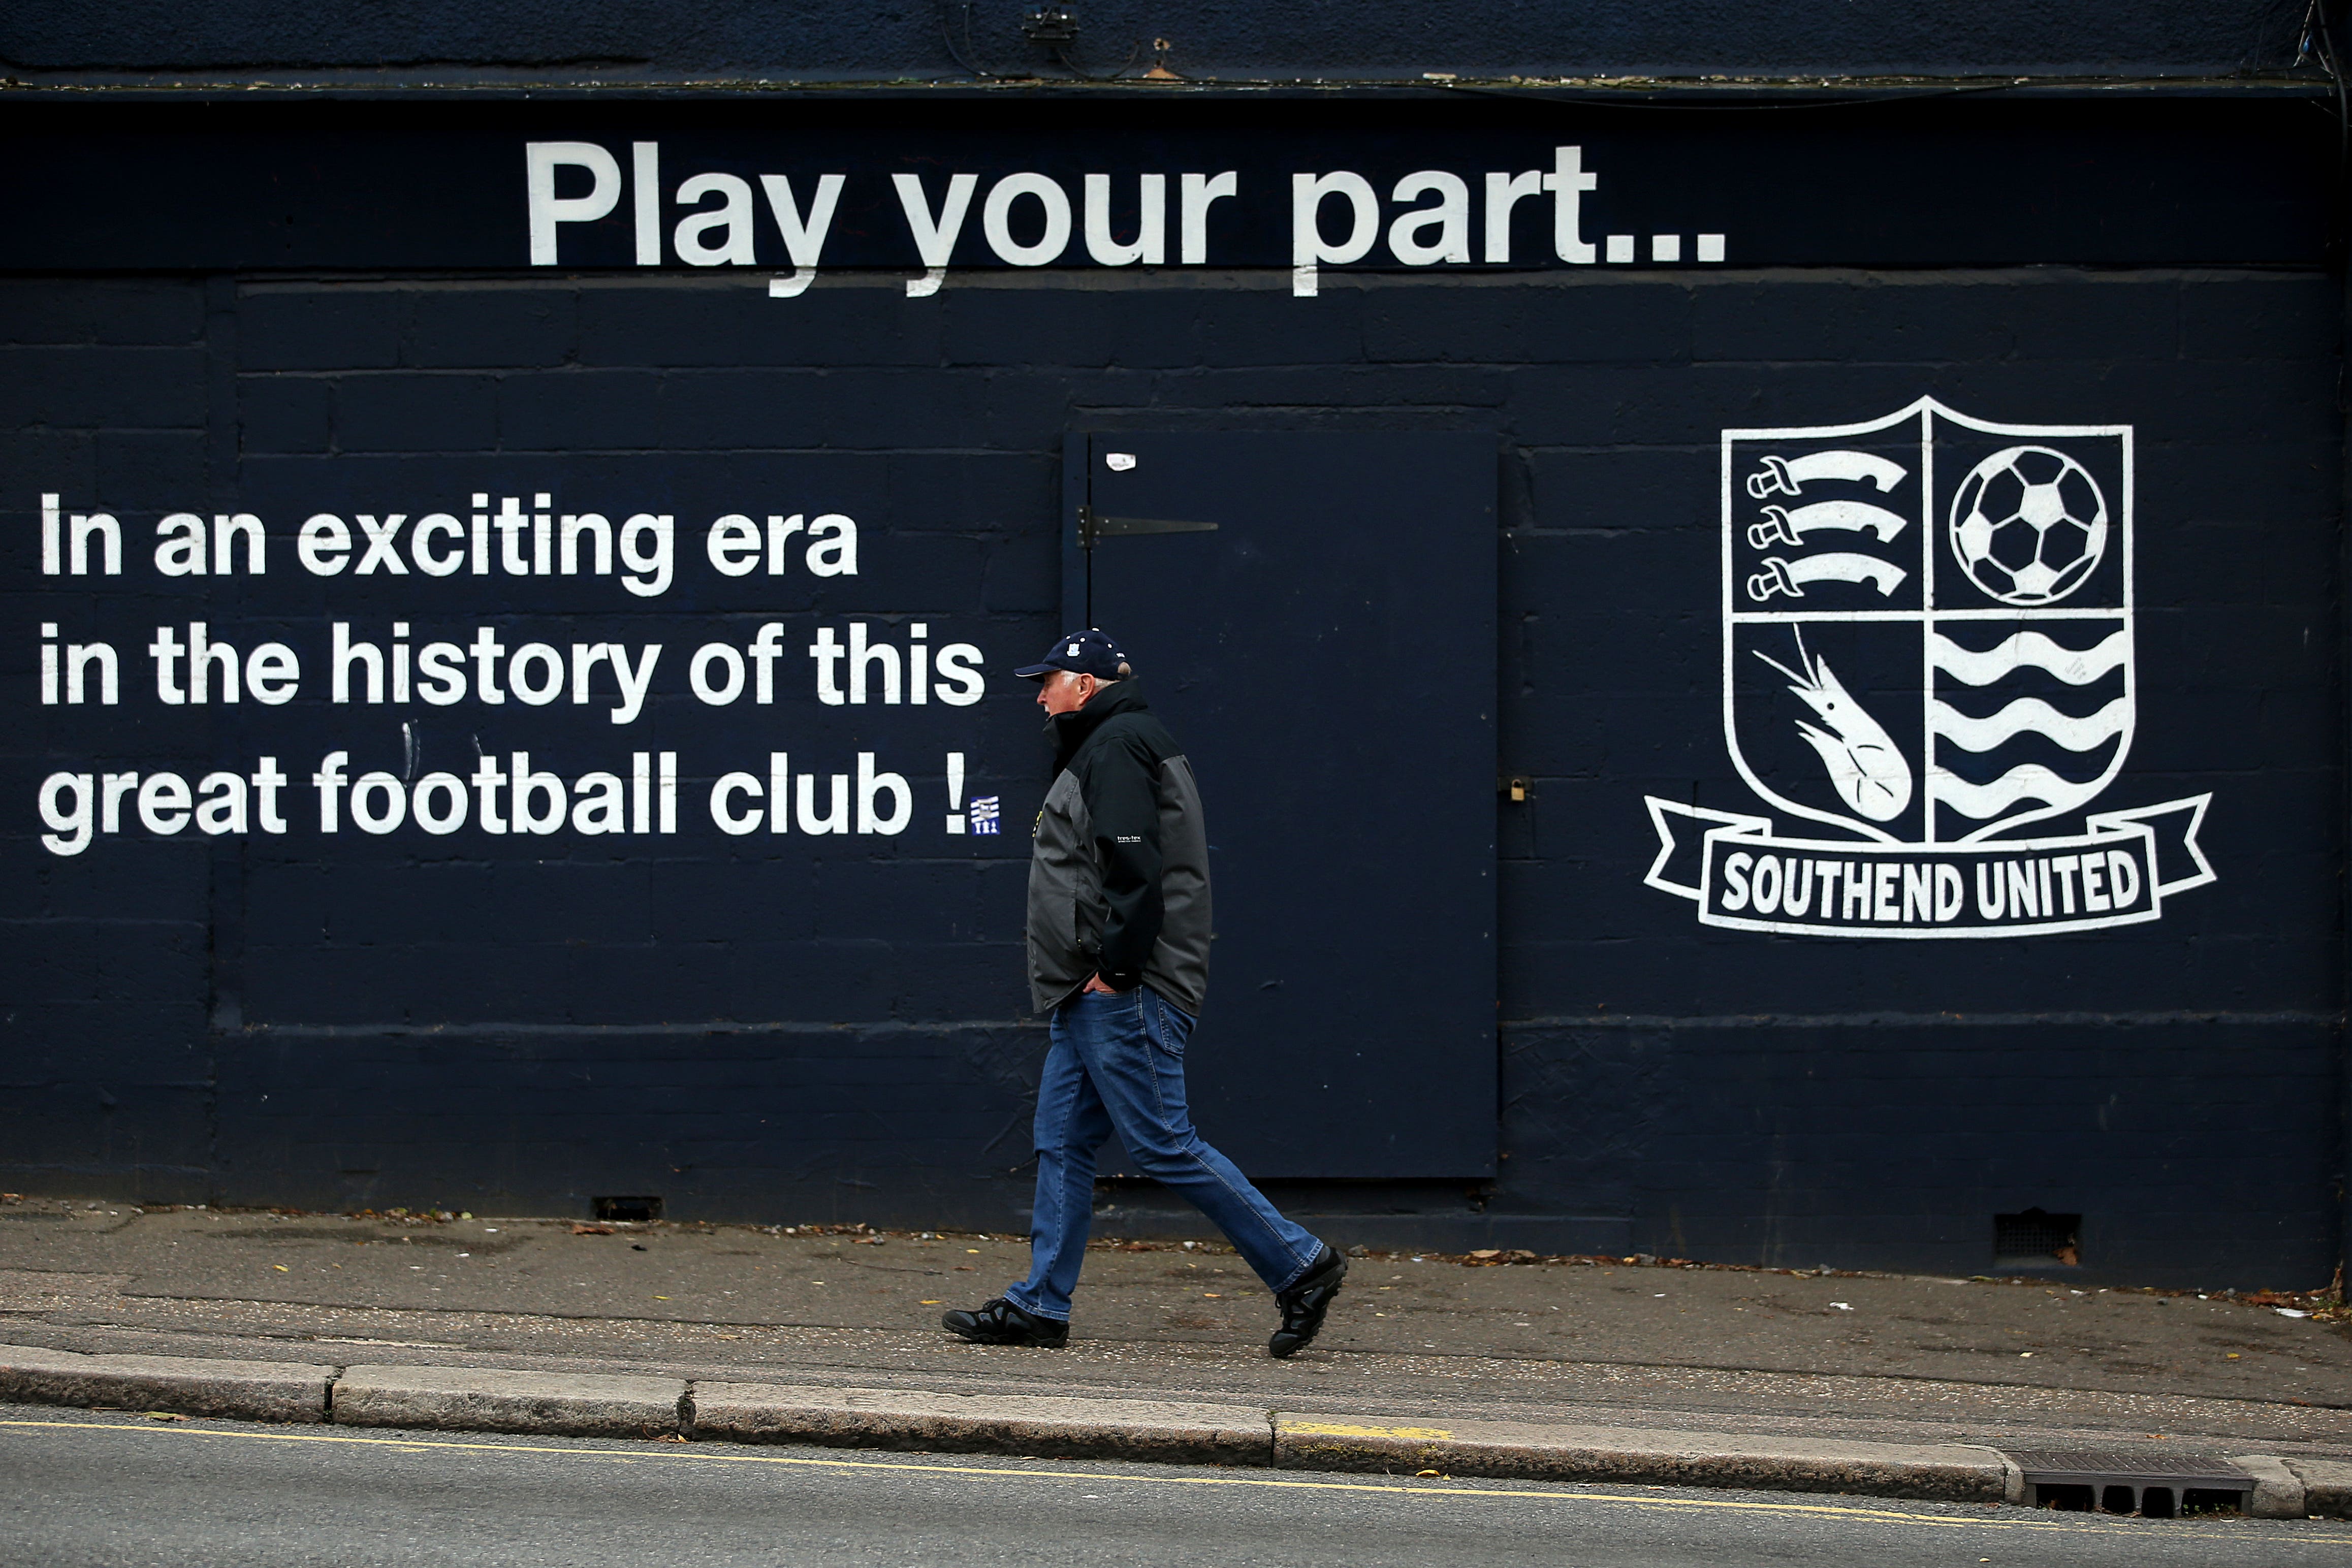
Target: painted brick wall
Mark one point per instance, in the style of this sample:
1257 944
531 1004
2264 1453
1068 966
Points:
107 1071
190 1020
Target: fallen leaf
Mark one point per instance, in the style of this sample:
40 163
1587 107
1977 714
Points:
282 1267
592 1230
671 1437
165 1416
931 1303
661 1298
2233 1355
1431 1473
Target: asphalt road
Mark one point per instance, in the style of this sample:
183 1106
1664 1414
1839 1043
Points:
78 1490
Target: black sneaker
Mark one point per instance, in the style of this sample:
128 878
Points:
1304 1303
1000 1322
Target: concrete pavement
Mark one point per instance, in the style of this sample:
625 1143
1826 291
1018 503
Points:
1726 1358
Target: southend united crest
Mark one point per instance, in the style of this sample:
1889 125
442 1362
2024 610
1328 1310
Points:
1927 671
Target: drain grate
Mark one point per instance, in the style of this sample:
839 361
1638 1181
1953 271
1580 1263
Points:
637 1210
2126 1481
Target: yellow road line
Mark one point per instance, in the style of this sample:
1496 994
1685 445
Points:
712 1455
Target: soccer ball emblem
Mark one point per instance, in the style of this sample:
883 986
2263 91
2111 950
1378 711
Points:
2029 524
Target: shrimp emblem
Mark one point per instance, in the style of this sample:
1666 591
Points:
1864 766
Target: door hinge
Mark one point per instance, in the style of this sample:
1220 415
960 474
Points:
1093 525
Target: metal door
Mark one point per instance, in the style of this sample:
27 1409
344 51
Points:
1326 655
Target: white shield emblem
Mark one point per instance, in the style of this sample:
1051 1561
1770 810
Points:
1927 621
1928 649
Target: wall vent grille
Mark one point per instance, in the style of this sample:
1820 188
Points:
2034 1240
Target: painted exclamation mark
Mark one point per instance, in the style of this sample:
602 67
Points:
955 792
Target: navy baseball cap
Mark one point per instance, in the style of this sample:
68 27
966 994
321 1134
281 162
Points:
1086 652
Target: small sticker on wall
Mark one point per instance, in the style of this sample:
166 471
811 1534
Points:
1118 462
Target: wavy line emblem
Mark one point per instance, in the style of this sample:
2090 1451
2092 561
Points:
2030 716
2031 651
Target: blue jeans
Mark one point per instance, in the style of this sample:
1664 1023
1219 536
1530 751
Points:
1118 1060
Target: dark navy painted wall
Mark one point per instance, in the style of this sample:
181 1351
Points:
838 1031
176 1028
459 40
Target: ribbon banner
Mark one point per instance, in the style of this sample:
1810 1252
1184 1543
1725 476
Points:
1744 876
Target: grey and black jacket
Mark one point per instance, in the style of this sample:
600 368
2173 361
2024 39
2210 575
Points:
1119 875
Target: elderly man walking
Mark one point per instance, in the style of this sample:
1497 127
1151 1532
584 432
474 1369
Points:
1118 959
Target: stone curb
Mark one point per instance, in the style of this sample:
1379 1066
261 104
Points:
252 1390
605 1406
462 1399
2326 1486
1046 1426
1941 1472
2278 1492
